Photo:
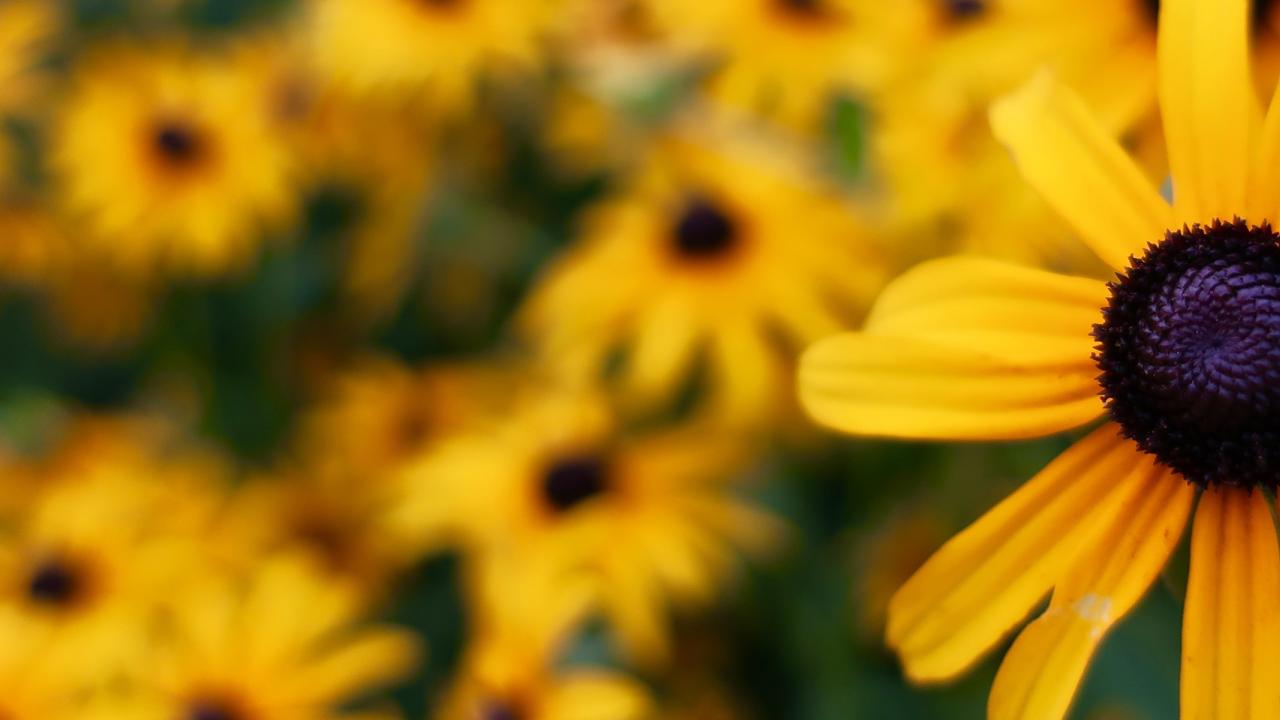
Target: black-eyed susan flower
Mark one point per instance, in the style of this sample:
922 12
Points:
435 51
721 255
279 643
94 552
653 520
168 162
1178 356
524 615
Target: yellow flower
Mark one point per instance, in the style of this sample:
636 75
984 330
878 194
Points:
652 519
783 58
710 254
523 615
1178 355
279 643
95 552
380 413
436 51
167 160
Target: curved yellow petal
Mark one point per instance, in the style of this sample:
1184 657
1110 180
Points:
1231 623
987 578
1016 311
1080 169
963 348
1042 670
1207 103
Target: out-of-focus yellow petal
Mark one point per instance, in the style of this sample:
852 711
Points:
590 695
987 578
1231 624
1080 170
1039 676
963 348
1208 106
666 340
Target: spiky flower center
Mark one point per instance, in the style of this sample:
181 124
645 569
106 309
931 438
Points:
704 231
571 481
1190 353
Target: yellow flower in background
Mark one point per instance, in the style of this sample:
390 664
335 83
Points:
524 614
380 413
724 257
785 59
1177 355
166 160
95 553
280 643
436 51
654 521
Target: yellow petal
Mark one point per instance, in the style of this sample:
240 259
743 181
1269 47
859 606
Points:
1039 676
1208 106
591 695
1080 169
666 341
963 348
987 578
1018 312
1231 624
1264 191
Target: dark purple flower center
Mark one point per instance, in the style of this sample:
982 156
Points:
704 231
55 583
178 144
501 711
1190 353
804 9
964 9
573 480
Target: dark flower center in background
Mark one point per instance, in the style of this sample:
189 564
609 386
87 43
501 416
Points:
965 9
1190 353
704 232
805 9
573 480
501 711
214 710
56 583
178 144
443 4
